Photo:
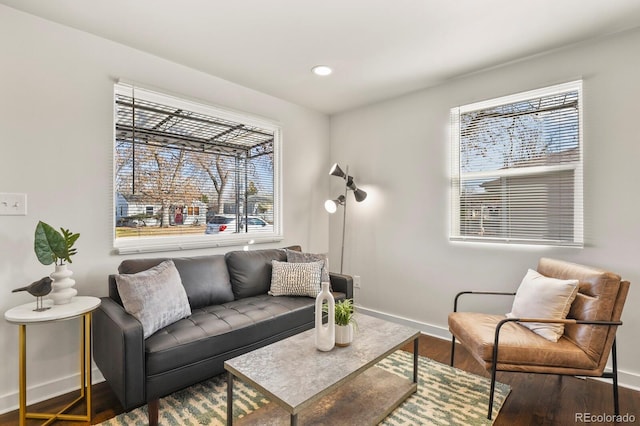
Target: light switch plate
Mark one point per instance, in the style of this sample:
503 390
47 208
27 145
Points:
13 204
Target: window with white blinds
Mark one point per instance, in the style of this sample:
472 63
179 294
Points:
517 168
191 175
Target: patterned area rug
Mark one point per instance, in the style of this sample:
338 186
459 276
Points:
446 396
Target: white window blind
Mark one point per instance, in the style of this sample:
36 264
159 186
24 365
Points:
191 175
517 168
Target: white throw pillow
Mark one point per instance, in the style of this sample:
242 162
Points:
545 298
156 297
295 279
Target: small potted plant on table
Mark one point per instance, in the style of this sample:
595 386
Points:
345 321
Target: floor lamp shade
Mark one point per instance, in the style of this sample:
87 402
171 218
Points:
360 195
331 206
337 171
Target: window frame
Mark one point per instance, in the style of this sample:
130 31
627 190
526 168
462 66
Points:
183 242
457 176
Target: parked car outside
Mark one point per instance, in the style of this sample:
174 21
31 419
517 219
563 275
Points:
226 224
132 223
219 224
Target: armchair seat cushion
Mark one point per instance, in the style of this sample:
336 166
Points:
520 348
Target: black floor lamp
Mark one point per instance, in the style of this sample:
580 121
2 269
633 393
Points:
332 205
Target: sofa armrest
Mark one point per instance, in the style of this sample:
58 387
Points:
342 283
118 351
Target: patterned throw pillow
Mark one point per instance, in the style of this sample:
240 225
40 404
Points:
295 279
156 297
300 257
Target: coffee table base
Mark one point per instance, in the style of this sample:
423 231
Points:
367 399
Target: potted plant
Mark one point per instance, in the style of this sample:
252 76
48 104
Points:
56 247
52 246
345 322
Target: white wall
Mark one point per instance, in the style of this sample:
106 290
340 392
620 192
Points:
398 151
56 138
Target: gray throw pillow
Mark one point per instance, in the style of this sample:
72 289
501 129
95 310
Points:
300 257
156 297
295 279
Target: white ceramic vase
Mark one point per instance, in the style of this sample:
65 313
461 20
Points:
62 287
325 333
344 335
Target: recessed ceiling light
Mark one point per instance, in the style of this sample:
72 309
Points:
322 70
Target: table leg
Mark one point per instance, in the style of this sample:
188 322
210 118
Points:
415 359
22 372
85 379
229 399
294 420
87 363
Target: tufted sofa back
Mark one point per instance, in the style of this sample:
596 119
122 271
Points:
214 279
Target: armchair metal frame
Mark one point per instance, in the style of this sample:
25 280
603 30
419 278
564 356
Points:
494 366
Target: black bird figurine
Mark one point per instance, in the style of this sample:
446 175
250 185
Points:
39 288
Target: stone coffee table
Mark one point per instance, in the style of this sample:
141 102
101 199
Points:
312 387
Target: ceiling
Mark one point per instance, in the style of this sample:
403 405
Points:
377 48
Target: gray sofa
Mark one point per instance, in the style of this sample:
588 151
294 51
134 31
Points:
231 314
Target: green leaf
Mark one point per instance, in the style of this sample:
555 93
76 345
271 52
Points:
344 312
48 244
69 240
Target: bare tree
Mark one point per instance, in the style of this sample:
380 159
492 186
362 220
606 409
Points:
123 161
509 137
217 167
158 175
169 180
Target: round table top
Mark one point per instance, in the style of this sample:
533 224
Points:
25 314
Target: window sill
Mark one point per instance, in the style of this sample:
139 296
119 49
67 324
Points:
506 242
152 245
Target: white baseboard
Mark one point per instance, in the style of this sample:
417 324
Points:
626 379
47 390
431 330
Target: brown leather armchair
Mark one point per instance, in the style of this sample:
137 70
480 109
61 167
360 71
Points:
502 344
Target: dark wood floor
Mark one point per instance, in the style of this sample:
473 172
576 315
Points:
535 399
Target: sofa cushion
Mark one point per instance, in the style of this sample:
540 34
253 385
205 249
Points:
296 256
545 298
155 297
218 329
205 278
250 271
295 279
229 327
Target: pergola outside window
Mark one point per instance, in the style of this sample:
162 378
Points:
190 175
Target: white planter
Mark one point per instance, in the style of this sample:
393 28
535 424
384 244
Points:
325 333
344 335
62 286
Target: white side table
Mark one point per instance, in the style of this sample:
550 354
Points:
80 306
